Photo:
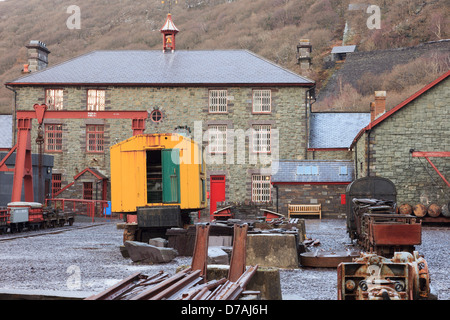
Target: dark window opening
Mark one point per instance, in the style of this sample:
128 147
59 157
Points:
154 177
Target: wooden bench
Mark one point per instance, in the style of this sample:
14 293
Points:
304 209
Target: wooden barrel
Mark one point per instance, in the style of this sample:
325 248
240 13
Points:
420 210
446 210
405 209
434 210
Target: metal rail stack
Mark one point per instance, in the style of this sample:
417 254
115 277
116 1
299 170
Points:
189 284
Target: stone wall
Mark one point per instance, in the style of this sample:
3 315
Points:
328 195
330 155
421 125
180 106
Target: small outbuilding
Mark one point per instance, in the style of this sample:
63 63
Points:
312 182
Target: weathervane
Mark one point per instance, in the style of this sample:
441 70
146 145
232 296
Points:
170 3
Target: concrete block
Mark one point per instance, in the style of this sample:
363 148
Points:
215 241
142 252
217 256
272 250
158 242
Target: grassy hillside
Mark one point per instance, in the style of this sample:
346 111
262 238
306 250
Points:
270 28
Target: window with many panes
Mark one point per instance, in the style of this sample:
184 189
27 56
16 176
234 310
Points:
54 99
261 188
56 183
94 138
261 138
217 139
218 101
87 190
53 138
96 100
262 101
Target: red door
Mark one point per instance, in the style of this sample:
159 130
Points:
217 192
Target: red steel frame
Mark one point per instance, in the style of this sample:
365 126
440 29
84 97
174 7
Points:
23 170
427 155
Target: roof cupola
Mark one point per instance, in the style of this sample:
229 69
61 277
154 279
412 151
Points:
169 30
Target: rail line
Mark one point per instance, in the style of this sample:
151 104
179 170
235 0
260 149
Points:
29 234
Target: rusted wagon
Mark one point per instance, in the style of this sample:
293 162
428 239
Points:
374 222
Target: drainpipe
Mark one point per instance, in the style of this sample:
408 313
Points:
368 153
356 160
309 99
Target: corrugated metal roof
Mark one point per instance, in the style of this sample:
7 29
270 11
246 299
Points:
343 49
6 131
151 67
335 130
325 171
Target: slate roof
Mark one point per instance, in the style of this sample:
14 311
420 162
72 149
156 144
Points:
335 130
327 171
153 67
343 49
6 131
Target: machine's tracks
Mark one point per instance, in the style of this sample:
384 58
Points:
44 232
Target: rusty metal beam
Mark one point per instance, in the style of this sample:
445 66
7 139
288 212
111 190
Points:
200 255
238 255
426 155
441 154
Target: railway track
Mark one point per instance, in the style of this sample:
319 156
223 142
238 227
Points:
44 232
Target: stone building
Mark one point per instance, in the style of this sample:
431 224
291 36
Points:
246 110
385 147
322 178
312 182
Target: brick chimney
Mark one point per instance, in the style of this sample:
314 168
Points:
37 55
378 107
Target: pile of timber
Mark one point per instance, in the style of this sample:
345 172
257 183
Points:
432 212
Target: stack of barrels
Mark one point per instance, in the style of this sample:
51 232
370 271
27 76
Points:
420 210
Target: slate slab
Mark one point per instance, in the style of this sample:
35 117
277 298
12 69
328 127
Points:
143 252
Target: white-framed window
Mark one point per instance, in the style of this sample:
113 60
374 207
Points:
54 99
343 171
96 100
261 138
261 188
307 170
262 101
217 138
218 101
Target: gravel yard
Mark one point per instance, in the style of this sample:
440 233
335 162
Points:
85 260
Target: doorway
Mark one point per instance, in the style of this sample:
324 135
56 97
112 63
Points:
217 192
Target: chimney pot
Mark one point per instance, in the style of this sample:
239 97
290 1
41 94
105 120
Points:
25 69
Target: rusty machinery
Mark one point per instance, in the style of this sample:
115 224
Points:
23 170
372 218
373 277
380 229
